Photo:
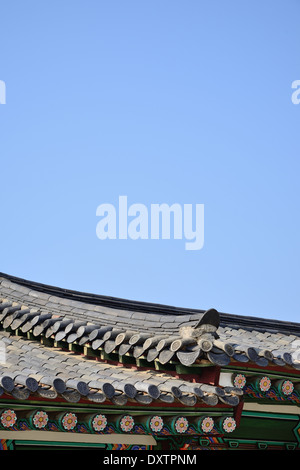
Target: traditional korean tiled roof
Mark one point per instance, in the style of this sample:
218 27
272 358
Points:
33 369
39 323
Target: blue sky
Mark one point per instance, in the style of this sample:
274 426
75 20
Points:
165 102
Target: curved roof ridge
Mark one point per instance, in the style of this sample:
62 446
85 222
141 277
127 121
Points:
152 335
101 300
118 313
139 309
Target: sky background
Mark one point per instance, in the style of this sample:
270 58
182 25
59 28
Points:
165 102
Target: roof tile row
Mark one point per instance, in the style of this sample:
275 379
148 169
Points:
180 337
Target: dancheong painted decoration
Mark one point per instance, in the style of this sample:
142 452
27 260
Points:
78 369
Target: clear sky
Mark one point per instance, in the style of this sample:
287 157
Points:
169 101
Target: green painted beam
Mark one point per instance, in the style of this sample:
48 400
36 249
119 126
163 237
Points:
265 428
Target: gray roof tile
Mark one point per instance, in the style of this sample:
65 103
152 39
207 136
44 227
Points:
246 340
